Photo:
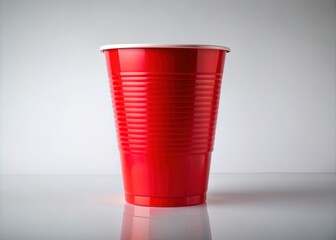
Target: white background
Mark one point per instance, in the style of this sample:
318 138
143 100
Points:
278 102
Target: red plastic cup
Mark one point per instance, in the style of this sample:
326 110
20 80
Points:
165 100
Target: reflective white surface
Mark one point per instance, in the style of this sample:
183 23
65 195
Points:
239 206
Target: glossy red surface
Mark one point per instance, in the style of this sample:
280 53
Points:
165 104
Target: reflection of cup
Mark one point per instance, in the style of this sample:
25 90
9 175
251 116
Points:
165 100
165 223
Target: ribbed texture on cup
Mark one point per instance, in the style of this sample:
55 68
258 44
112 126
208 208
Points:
165 112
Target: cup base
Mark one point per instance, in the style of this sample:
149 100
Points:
165 201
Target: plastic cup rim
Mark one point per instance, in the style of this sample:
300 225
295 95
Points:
146 45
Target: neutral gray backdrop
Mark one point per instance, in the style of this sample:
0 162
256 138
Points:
278 102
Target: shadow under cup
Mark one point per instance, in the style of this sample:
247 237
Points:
165 101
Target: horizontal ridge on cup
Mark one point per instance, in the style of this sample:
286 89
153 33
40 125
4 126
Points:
142 108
